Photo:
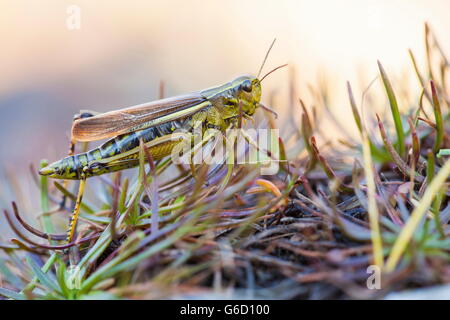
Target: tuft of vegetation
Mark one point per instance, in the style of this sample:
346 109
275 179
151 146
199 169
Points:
313 231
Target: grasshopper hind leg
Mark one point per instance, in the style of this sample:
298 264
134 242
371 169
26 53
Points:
76 210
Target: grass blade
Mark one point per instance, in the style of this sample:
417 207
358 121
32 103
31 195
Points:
12 294
42 277
375 234
419 211
438 119
394 110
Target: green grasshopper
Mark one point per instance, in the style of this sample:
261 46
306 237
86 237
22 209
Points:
152 123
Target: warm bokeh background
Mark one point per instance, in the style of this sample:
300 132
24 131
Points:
124 49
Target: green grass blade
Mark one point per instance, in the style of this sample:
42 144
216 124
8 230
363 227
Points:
438 118
12 294
30 286
378 153
42 277
61 277
377 243
430 167
419 211
395 112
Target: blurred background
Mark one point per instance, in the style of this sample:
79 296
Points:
58 56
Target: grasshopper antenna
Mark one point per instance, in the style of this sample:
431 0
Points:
265 58
273 70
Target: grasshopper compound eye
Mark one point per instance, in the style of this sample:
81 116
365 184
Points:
247 86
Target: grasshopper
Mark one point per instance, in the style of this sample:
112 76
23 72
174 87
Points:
152 123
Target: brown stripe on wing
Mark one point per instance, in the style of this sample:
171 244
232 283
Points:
113 123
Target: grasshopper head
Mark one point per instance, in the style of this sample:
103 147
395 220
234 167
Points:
52 170
248 92
57 170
